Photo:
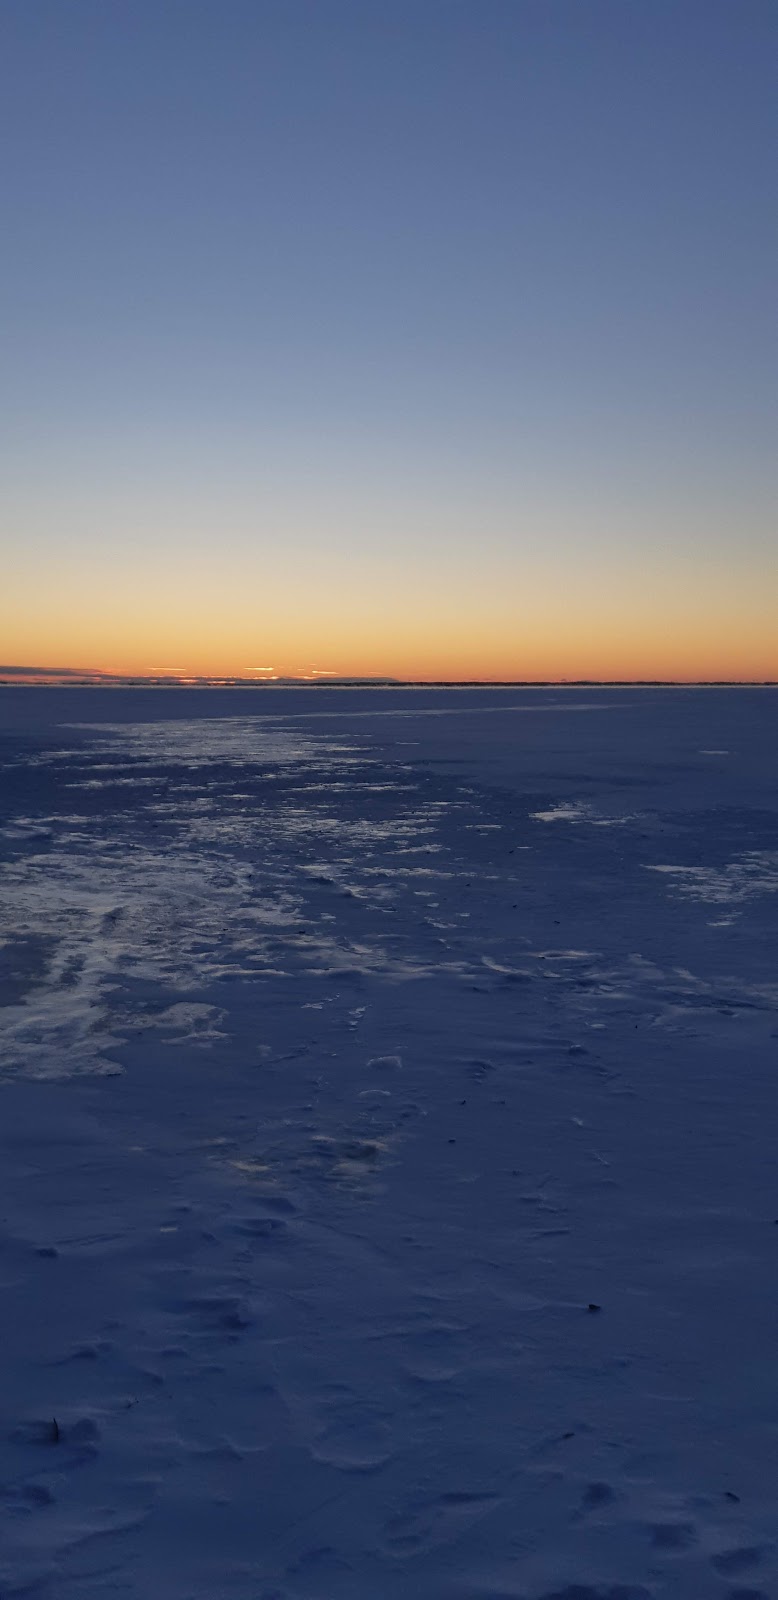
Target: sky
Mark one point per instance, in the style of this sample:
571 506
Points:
420 338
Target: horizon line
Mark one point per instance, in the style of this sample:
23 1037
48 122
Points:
69 677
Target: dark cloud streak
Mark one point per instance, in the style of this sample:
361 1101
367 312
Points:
55 672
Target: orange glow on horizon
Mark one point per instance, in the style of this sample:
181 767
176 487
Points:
558 665
431 632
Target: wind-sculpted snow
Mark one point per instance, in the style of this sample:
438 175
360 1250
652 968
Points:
388 1184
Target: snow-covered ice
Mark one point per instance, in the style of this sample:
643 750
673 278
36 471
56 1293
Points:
389 1201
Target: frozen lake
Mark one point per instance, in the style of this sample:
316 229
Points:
388 1189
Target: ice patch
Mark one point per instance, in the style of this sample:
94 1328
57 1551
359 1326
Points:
209 741
754 873
564 811
579 811
211 879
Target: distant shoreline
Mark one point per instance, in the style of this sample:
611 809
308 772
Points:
39 680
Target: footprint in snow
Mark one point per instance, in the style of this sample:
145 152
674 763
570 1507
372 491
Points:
353 1443
673 1535
349 1160
436 1522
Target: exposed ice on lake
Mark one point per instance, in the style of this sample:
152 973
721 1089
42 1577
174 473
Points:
754 873
578 811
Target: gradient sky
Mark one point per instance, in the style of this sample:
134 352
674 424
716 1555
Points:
420 337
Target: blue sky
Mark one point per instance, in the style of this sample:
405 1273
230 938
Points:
387 313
